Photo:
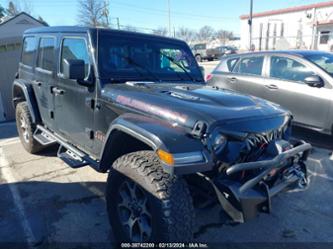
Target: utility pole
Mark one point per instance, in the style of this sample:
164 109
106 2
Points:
169 15
250 25
118 23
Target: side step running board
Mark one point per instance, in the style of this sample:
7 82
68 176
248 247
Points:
66 152
43 138
71 158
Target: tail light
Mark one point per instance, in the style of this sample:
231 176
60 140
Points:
209 77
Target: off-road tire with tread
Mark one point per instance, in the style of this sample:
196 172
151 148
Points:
31 145
168 196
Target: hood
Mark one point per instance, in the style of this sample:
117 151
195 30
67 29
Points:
185 105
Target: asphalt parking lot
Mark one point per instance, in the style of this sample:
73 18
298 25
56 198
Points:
43 201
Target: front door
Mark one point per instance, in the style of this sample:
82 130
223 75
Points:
73 102
309 105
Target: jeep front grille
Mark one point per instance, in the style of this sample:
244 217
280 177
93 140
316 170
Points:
254 140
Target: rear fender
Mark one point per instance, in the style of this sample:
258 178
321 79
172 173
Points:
23 91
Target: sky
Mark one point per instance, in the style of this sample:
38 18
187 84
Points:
152 14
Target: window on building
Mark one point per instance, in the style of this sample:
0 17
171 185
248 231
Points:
46 57
74 49
251 65
288 69
324 37
29 50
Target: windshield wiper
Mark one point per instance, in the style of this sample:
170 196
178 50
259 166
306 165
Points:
179 65
138 65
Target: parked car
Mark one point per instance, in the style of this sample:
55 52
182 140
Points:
300 81
199 51
218 52
136 106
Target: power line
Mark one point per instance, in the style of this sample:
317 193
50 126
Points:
165 11
140 8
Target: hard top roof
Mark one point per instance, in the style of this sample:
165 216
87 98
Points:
79 29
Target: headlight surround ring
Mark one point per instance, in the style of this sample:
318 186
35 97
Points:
219 142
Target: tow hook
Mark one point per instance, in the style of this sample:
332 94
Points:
302 181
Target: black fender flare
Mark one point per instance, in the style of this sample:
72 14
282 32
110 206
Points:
23 91
157 134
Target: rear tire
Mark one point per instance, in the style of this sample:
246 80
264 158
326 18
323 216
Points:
157 205
198 58
26 128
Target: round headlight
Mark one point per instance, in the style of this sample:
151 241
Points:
219 142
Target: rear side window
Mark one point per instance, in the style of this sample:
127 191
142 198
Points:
29 50
46 54
227 65
74 49
251 65
200 46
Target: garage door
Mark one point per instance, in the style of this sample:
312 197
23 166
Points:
2 112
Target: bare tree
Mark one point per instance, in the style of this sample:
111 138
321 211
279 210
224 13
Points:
94 13
42 21
12 9
129 28
186 34
17 6
161 31
206 33
2 11
223 36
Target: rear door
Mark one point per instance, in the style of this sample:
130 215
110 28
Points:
285 86
44 78
74 112
222 74
247 76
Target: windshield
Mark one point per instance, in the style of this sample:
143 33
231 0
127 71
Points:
325 61
122 59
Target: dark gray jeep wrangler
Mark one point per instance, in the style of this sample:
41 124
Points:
136 106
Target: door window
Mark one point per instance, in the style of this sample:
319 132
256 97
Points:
74 49
288 69
29 50
46 54
227 65
251 65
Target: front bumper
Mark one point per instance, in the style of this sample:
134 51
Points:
242 201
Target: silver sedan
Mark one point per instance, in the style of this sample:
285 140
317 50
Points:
300 81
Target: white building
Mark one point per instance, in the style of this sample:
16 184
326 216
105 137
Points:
301 27
11 31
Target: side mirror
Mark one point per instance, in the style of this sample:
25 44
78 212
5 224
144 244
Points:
74 70
314 81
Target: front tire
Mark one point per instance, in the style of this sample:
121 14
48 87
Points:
146 204
26 128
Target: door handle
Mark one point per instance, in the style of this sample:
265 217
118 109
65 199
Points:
36 82
57 91
272 87
232 79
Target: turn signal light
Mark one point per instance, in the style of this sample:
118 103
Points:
208 77
166 157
